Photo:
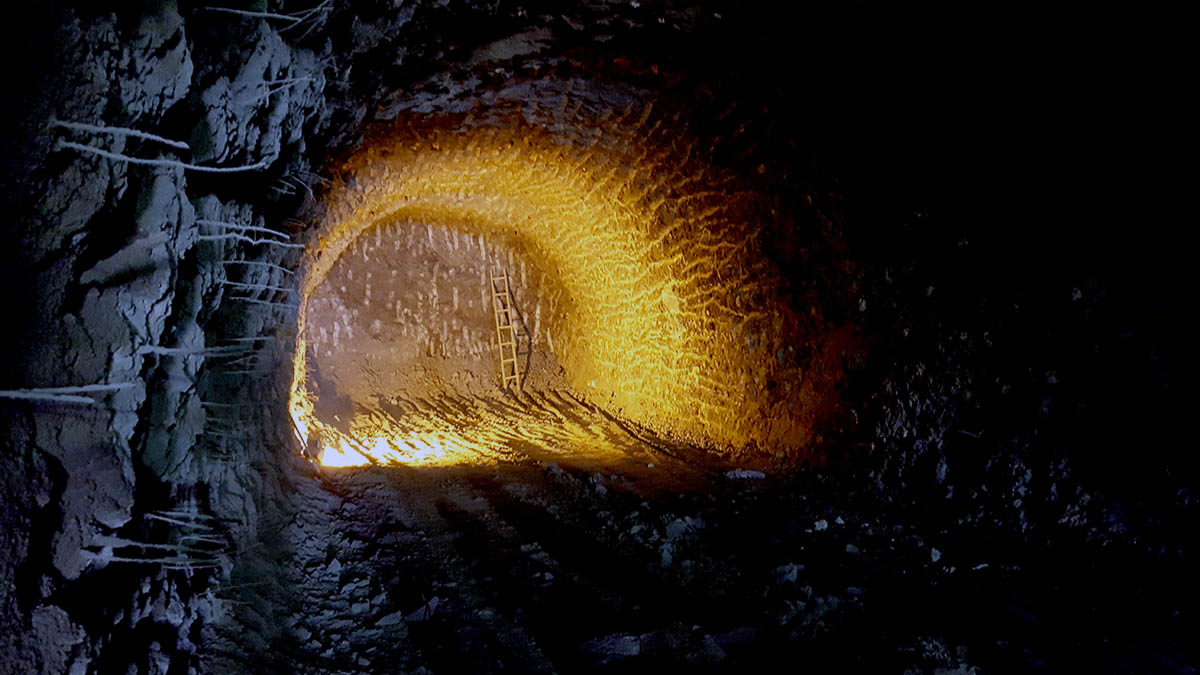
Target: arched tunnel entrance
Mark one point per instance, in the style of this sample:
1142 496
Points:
643 299
661 360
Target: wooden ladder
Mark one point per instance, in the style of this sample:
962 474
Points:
506 330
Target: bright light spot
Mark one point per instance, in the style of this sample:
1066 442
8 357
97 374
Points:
403 451
343 455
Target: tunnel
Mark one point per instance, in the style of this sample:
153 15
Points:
634 276
616 336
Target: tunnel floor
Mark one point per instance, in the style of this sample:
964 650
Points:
534 566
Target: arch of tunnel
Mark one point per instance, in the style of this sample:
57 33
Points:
636 269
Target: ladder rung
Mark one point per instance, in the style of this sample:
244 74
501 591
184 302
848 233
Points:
502 308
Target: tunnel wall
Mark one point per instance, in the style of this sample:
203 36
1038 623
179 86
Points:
120 280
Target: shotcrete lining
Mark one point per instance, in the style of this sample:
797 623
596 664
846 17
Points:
671 315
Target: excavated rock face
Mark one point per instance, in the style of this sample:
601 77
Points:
144 362
242 239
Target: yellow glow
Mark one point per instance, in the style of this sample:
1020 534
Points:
406 451
672 318
342 455
547 427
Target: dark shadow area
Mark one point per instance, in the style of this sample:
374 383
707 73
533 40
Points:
537 566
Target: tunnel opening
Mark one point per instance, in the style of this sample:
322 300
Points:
643 297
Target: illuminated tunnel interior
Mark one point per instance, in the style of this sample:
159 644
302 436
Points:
635 273
656 336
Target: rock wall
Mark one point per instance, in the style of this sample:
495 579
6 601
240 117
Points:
147 327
